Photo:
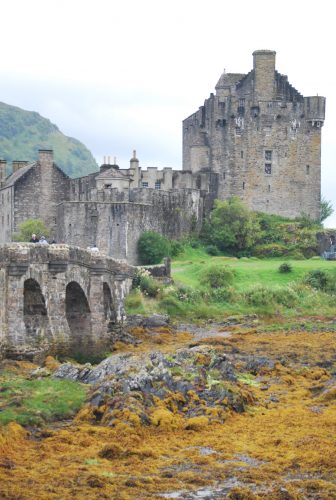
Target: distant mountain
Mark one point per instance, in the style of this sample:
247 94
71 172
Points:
23 133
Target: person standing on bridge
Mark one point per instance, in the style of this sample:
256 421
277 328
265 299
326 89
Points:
34 239
43 241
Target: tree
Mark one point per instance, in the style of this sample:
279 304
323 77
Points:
232 226
326 209
28 227
152 247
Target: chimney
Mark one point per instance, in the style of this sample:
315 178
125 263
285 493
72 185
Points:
18 164
3 164
264 75
46 157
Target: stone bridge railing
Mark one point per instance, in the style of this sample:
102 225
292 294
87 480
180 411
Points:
59 299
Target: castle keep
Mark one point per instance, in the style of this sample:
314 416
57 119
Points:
257 138
262 138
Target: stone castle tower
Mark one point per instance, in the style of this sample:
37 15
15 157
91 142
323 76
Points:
262 138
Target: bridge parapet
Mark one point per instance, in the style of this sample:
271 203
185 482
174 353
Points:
59 299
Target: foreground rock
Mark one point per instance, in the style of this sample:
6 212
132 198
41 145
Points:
155 387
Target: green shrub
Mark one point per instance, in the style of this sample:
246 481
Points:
231 226
176 248
317 278
258 295
285 296
271 250
212 250
285 267
261 296
146 283
217 276
152 247
172 305
30 226
222 294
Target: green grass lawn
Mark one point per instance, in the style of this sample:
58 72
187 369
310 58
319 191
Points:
189 268
34 402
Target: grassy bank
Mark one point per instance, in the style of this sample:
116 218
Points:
35 402
206 287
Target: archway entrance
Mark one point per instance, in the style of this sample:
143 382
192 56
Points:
35 315
78 315
109 312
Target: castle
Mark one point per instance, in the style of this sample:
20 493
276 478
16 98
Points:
257 138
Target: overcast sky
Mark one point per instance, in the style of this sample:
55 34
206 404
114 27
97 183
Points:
122 75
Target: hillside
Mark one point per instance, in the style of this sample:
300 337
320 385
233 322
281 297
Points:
23 133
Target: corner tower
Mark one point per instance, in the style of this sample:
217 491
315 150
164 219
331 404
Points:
262 138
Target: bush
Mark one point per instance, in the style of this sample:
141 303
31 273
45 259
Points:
176 247
212 250
172 305
285 267
258 295
271 250
261 296
144 282
30 226
317 279
231 226
223 294
152 247
217 277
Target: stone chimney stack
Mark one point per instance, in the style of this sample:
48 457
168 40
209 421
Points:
264 74
46 157
135 169
3 164
18 164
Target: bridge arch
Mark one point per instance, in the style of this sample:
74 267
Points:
109 309
78 314
35 314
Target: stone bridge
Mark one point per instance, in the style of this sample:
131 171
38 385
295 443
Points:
59 299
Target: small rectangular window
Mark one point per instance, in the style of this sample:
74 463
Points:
269 188
145 184
268 168
307 169
268 155
157 184
243 185
242 154
7 219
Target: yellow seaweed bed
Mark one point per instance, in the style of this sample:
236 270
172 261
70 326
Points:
282 447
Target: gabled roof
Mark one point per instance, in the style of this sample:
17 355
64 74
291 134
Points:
13 178
228 79
112 173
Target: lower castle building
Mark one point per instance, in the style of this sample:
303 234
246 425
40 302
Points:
257 138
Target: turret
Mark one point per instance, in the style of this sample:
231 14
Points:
315 110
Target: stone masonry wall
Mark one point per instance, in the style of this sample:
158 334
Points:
264 141
115 227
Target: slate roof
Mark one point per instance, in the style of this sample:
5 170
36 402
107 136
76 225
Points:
228 79
13 178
